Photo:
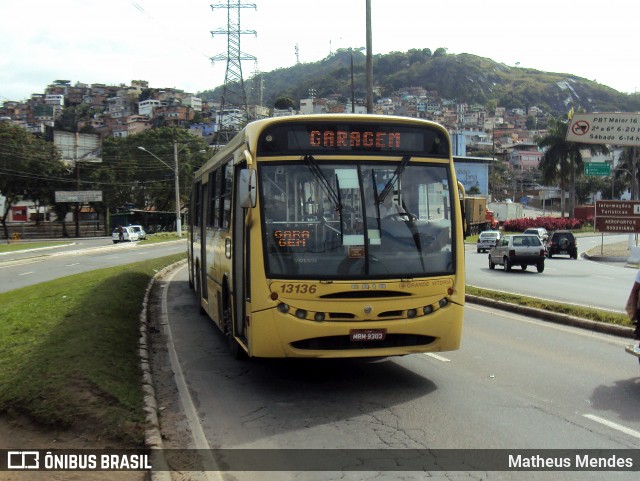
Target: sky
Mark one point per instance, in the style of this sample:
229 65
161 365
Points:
169 43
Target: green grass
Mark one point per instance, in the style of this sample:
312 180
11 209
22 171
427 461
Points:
162 237
20 246
550 306
69 350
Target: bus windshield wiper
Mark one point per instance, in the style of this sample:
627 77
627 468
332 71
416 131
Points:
320 177
389 185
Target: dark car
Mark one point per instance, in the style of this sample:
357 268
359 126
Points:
562 242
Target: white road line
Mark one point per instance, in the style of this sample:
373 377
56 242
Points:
437 357
612 425
26 273
71 265
604 277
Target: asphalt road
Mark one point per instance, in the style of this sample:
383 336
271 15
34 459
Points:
603 285
25 268
516 383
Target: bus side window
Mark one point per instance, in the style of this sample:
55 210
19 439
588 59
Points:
211 213
226 195
196 204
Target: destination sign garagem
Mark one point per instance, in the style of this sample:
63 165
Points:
329 138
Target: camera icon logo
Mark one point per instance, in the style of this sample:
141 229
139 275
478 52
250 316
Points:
23 460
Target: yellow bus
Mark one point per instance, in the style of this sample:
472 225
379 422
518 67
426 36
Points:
330 236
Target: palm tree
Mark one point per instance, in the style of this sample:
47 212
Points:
562 159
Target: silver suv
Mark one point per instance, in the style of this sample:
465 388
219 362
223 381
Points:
518 250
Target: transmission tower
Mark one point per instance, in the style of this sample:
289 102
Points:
234 95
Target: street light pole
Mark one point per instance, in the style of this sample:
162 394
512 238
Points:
353 104
369 58
175 176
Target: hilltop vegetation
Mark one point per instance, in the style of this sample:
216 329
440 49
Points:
463 77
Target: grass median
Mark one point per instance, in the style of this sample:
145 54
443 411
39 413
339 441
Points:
69 351
583 312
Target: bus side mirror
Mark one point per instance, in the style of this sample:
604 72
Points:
247 188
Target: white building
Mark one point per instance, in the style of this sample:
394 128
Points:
146 107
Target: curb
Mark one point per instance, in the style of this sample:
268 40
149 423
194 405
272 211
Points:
152 434
567 320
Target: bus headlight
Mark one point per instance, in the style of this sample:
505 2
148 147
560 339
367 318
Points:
318 317
411 313
301 314
284 308
426 310
443 302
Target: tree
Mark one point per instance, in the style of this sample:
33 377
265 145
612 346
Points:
440 52
130 177
30 168
284 103
562 160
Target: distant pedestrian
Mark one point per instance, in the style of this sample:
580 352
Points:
120 233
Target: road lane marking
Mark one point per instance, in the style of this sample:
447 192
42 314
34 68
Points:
437 357
605 277
71 265
612 425
26 273
6 265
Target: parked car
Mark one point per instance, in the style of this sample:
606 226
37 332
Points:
539 231
518 250
142 235
487 239
562 242
130 233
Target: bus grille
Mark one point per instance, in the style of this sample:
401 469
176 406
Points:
341 343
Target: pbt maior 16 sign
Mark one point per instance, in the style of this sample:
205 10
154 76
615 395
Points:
618 128
618 216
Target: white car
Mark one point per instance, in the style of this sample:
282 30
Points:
130 233
539 231
518 250
142 235
487 239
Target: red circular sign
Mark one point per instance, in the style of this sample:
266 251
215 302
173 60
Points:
581 127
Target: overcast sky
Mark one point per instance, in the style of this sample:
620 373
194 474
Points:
169 43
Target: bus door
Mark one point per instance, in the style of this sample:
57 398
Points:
205 196
240 254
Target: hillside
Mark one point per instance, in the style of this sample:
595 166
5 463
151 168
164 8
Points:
463 77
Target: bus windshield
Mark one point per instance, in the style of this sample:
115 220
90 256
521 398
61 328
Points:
356 220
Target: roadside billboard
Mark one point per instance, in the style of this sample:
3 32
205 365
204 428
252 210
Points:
76 147
621 216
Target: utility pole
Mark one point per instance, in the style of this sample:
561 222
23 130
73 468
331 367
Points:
234 94
177 188
369 60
